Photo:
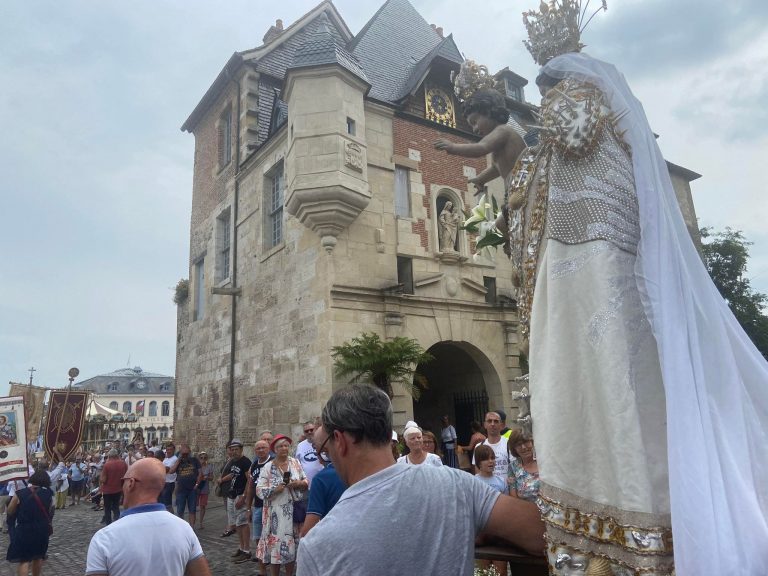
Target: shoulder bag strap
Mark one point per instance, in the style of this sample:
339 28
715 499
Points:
40 505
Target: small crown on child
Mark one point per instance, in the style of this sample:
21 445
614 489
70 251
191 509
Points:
471 78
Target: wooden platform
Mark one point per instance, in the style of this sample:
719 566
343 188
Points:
520 563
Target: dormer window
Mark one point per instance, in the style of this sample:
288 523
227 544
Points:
165 387
112 387
513 84
513 90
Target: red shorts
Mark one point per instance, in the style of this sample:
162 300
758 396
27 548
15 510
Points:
202 500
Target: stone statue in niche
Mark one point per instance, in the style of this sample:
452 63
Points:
448 227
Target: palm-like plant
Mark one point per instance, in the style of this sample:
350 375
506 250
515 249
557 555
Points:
382 362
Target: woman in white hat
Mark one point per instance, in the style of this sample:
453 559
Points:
417 454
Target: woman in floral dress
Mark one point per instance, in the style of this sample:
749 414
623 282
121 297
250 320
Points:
280 483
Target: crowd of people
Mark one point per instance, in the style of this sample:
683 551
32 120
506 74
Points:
272 500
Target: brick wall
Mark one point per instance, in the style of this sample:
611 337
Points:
210 182
436 166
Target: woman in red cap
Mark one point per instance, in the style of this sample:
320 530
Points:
281 482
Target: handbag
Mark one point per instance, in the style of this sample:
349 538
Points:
299 510
44 511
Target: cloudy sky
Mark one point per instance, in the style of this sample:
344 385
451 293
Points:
96 175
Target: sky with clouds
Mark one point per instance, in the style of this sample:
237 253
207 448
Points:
97 176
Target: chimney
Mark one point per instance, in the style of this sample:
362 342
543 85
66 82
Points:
273 32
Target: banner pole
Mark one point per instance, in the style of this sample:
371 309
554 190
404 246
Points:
73 372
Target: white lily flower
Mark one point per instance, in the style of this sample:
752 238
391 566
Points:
479 212
482 221
485 227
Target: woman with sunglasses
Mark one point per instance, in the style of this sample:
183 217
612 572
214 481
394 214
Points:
429 441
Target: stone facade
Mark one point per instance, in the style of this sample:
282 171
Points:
339 266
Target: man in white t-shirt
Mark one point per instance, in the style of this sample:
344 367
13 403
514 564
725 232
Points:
306 455
357 420
166 496
169 545
498 443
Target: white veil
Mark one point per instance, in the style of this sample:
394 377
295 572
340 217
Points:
716 381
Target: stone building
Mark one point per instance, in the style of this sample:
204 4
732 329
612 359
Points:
144 402
315 206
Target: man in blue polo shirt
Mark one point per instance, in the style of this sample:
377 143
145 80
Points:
327 487
169 545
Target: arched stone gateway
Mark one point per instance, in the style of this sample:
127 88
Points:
462 383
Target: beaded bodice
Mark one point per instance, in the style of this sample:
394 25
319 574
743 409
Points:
578 182
591 187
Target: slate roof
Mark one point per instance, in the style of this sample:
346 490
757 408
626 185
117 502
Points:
516 126
445 49
278 60
391 46
127 380
272 58
275 61
321 48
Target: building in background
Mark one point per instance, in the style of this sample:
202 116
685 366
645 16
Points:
315 216
136 401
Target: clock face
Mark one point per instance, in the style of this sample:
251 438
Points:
439 107
141 385
439 104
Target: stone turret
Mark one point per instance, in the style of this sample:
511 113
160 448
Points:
326 165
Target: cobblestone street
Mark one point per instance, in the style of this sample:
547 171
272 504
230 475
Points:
74 526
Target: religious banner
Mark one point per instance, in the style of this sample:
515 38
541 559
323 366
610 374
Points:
34 402
64 422
13 439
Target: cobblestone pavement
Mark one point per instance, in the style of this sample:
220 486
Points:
74 526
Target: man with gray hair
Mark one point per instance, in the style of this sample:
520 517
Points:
358 422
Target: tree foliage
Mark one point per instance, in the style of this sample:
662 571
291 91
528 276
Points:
382 363
725 256
181 292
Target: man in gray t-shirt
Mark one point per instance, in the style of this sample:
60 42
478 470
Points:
401 519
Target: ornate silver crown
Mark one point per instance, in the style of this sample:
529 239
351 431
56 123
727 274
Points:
556 28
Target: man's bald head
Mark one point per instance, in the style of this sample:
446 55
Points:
148 476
